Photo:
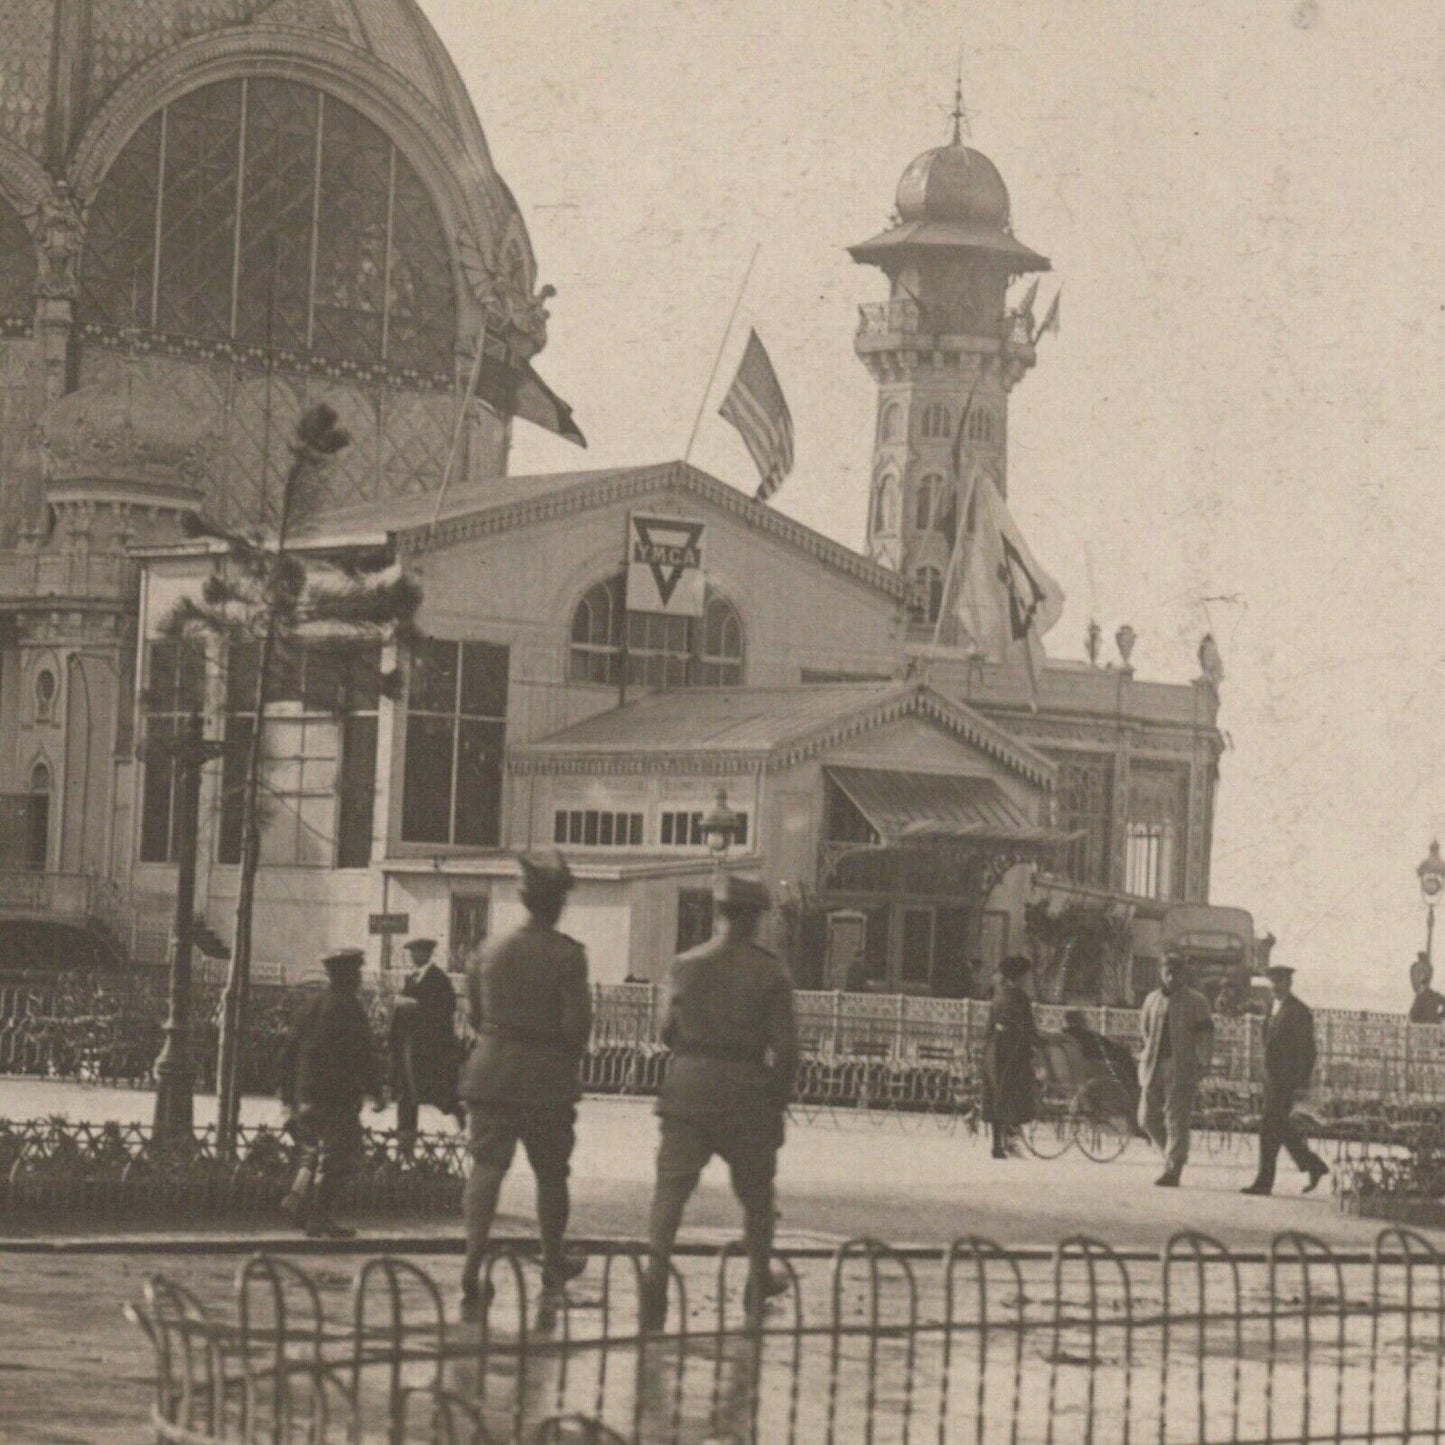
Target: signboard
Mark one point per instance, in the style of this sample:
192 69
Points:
386 924
664 565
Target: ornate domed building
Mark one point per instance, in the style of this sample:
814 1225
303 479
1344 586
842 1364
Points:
212 214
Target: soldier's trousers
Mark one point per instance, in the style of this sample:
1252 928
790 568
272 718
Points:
331 1144
1166 1108
1278 1130
748 1144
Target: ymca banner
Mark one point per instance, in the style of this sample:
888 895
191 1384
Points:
664 565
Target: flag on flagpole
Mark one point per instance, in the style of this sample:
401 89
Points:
1051 317
508 384
1007 601
756 407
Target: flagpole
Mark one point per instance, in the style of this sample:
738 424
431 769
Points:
457 429
717 361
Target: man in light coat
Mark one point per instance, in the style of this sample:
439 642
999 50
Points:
1178 1031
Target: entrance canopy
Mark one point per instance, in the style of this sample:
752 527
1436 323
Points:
907 806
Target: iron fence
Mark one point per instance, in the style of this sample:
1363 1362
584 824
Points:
1198 1344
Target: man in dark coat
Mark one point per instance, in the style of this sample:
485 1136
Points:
730 1025
329 1067
1427 1007
424 1051
1009 1089
529 1002
1289 1060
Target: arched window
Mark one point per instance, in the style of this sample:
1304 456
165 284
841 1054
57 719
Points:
37 818
936 422
888 423
929 490
44 699
982 426
269 214
885 506
928 593
17 268
661 651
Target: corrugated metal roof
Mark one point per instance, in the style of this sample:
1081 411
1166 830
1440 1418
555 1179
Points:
904 805
747 719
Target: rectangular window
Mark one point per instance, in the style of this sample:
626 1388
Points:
1158 805
683 829
1085 806
456 734
318 765
468 928
1150 860
589 828
175 689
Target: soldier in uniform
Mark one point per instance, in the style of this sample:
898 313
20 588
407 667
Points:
329 1067
729 1023
424 1049
1289 1060
529 1002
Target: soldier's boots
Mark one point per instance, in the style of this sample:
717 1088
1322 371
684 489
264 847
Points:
753 1307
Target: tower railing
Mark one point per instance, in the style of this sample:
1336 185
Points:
882 317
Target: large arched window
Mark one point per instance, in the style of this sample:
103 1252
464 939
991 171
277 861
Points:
706 651
268 214
17 271
888 423
928 594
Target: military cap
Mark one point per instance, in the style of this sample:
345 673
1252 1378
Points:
343 958
546 873
745 894
418 945
1016 966
1279 970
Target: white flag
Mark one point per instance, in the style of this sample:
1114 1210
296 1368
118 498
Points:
1006 601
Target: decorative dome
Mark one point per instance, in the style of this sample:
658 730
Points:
127 439
123 35
954 183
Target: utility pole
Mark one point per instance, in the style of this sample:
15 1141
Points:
174 1068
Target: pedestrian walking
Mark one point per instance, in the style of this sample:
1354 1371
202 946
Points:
1289 1060
528 1001
1010 1090
1178 1033
330 1066
730 1025
424 1050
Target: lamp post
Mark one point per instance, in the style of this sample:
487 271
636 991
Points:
1431 874
719 828
175 1072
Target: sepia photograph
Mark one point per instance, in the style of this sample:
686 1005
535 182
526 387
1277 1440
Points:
720 723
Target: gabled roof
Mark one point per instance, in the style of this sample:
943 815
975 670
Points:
747 728
500 504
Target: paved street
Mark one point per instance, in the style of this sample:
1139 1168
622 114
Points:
67 1341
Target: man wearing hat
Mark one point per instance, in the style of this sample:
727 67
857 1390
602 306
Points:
330 1065
1010 1095
1289 1060
528 1000
729 1023
424 1053
1178 1031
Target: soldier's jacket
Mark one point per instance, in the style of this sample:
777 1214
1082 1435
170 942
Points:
528 1000
331 1060
729 1023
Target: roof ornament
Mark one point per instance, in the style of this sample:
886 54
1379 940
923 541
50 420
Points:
960 115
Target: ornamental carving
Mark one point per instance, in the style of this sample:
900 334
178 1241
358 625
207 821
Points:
61 229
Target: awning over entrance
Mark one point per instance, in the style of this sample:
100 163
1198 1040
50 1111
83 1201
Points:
903 806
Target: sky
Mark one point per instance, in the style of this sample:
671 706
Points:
1237 428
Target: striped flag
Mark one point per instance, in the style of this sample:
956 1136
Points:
756 407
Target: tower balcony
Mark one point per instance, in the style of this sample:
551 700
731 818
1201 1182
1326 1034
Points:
37 577
890 318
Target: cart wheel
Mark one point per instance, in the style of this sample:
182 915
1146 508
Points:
1048 1137
1102 1125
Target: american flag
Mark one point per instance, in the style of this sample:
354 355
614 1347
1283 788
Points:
756 407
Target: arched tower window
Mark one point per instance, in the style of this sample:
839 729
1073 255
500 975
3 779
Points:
885 506
661 651
36 810
888 424
928 593
17 268
936 422
982 426
265 213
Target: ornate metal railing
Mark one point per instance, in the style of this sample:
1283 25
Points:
879 318
1198 1344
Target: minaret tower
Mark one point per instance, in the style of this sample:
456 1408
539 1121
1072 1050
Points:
944 335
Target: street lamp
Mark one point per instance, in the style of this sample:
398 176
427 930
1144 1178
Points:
720 827
1431 874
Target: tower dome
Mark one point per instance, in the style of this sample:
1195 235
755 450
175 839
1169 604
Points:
954 183
127 440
